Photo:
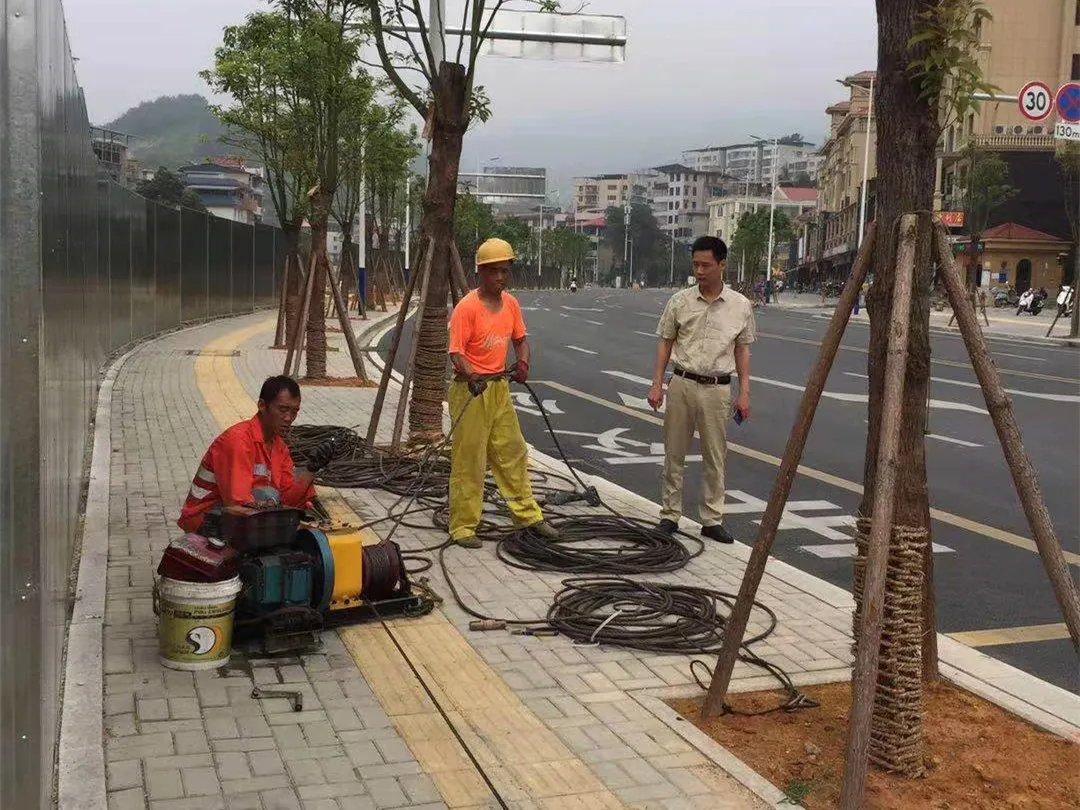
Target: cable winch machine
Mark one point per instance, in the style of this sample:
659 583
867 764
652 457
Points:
297 577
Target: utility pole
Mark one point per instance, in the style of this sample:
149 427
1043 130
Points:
626 236
671 270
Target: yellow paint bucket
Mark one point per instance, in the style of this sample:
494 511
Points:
195 622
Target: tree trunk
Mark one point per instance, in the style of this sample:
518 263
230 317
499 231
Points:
316 328
448 130
295 291
906 184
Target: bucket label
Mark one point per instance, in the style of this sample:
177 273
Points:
190 633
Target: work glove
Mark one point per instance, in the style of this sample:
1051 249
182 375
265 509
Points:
322 455
519 373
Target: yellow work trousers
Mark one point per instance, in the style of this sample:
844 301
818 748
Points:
706 409
487 432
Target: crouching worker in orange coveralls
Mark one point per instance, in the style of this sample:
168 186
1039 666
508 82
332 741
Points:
486 431
249 466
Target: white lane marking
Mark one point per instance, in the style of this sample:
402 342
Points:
646 459
650 314
641 403
623 375
951 440
579 349
1020 356
563 315
582 309
594 323
645 334
1013 391
838 551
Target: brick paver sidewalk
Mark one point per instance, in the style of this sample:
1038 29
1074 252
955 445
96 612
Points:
552 724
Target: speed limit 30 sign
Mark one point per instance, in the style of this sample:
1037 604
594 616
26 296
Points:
1036 101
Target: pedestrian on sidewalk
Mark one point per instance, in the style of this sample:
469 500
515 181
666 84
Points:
706 332
483 325
249 467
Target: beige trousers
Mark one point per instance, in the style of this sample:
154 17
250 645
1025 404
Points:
706 409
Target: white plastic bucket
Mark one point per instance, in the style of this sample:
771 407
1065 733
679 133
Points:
195 622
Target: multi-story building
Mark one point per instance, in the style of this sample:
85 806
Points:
680 198
509 190
228 187
759 161
114 153
845 162
603 191
1037 39
725 212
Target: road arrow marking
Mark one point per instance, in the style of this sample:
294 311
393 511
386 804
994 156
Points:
640 403
524 401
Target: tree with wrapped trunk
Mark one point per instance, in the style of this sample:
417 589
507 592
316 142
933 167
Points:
447 97
250 67
926 75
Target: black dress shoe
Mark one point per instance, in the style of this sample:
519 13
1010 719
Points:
717 533
667 526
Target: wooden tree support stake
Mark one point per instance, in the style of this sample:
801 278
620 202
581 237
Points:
296 342
346 325
395 343
406 378
458 270
868 647
279 327
735 628
1023 474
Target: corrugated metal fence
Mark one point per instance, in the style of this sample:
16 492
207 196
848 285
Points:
85 268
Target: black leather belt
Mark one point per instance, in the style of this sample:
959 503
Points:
718 379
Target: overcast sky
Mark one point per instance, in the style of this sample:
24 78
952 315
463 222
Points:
697 72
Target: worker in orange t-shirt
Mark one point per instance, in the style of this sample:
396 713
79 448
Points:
484 324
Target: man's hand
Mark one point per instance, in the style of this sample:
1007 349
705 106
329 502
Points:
322 455
742 405
656 396
520 372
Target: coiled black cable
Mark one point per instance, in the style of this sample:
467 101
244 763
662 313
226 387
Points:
600 544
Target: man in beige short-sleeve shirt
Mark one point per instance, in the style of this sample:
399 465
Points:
705 332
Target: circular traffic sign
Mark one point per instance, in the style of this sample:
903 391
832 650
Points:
1068 102
1036 101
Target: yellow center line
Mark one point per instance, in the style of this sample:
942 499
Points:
934 360
1012 635
818 475
526 761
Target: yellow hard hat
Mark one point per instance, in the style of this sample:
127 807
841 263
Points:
494 250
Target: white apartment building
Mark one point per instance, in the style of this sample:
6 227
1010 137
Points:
756 161
725 212
680 198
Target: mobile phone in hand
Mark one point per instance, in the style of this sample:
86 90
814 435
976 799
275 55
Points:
737 415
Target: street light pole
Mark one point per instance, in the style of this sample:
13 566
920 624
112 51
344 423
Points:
772 213
671 270
626 236
866 164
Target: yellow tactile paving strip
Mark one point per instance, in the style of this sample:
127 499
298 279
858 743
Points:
524 759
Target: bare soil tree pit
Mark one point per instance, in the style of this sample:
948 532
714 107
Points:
337 382
977 755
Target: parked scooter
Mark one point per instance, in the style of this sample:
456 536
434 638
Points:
1032 301
1065 301
573 285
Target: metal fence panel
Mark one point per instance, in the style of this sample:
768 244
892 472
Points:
85 268
264 262
167 267
243 283
219 266
193 282
142 269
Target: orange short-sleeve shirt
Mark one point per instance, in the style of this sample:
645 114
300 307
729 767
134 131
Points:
482 336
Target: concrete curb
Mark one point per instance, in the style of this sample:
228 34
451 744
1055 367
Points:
81 754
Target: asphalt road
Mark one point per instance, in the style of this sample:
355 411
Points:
592 356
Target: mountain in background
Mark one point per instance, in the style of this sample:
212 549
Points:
172 131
